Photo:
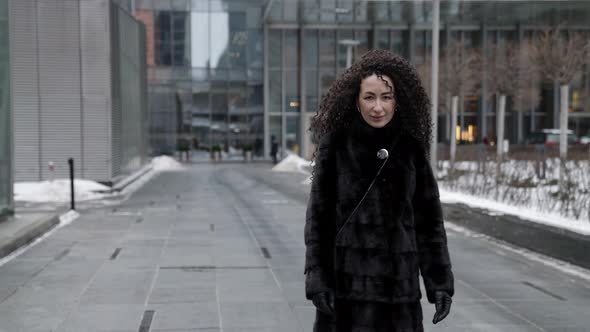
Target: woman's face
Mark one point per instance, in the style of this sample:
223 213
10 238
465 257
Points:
376 101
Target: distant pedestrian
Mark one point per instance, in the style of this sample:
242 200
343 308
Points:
363 260
274 148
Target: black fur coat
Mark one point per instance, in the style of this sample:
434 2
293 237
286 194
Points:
397 232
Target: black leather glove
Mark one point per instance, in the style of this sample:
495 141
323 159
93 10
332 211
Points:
324 302
442 302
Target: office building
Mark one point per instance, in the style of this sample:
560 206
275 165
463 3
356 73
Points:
78 89
235 73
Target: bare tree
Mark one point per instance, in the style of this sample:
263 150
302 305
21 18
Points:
462 68
459 75
506 73
425 73
527 95
560 55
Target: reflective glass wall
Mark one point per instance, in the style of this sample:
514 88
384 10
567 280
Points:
5 115
320 27
205 82
129 95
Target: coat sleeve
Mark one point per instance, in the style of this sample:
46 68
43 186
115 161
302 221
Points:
319 221
435 263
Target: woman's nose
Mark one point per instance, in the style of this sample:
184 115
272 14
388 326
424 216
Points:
378 105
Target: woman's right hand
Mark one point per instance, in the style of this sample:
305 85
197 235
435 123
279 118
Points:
324 302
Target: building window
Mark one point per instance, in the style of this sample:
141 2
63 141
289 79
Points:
292 139
172 42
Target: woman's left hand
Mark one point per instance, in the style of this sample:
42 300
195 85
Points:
443 306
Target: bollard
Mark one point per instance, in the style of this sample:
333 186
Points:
72 200
540 164
51 168
480 156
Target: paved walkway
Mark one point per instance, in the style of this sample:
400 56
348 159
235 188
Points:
220 248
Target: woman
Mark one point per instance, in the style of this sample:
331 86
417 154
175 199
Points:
374 220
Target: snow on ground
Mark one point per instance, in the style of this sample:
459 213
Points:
493 207
166 163
293 163
58 190
496 208
522 189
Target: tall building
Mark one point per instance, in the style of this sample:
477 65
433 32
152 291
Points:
236 72
205 72
6 182
78 89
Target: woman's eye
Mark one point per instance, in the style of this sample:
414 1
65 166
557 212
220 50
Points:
368 97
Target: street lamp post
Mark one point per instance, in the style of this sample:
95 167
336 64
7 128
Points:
349 43
434 82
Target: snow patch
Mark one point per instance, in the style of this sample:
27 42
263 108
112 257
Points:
497 208
292 163
166 163
57 190
67 218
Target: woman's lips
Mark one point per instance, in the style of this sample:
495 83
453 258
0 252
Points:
375 118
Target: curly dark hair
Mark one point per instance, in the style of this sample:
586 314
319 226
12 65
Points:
338 107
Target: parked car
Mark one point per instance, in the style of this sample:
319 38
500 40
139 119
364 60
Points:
550 137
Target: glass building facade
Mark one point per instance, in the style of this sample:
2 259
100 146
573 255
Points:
130 92
205 73
238 72
6 183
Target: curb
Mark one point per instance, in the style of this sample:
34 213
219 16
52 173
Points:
119 186
26 235
555 242
229 162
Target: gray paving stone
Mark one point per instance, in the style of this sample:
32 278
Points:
134 263
68 271
240 261
122 277
20 271
48 249
247 294
39 318
185 316
185 278
6 292
94 318
245 277
128 295
173 259
260 315
306 316
289 274
44 295
143 251
162 295
188 330
295 293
